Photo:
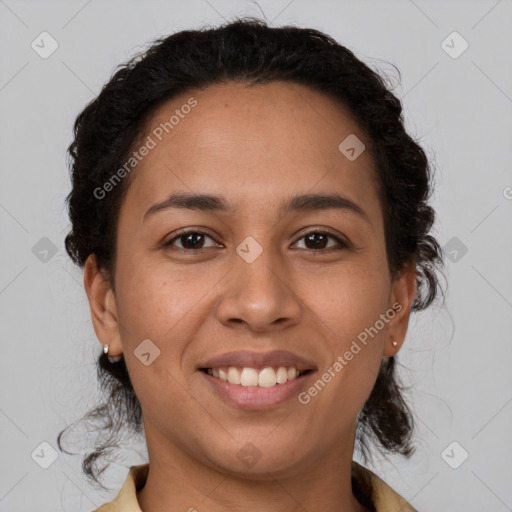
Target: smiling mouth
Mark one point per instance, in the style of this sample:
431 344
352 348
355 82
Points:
264 378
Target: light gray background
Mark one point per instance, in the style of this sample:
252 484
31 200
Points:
458 357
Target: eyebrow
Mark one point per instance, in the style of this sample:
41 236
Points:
295 204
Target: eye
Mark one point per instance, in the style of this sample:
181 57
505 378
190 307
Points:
193 241
190 241
318 239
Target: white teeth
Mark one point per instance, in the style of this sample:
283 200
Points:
233 375
265 378
292 373
281 375
248 377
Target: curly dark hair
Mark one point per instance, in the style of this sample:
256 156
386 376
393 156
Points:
247 50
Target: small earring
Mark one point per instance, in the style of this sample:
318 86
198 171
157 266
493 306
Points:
112 359
394 343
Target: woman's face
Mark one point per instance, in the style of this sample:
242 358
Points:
252 279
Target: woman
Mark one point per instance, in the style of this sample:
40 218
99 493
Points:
252 221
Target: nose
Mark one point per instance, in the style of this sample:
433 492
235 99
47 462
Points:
260 295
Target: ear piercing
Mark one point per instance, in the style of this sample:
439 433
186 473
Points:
394 343
112 359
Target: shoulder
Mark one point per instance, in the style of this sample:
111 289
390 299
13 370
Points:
384 498
126 499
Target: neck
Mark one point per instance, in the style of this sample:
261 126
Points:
178 481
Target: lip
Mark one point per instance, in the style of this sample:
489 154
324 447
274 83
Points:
254 397
259 360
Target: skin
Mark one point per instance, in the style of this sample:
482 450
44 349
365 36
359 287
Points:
257 146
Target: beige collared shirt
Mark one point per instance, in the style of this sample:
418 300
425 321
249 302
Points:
385 498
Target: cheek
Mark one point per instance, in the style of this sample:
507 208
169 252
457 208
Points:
351 302
343 385
155 306
350 315
152 301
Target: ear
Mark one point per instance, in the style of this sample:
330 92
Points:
102 303
401 298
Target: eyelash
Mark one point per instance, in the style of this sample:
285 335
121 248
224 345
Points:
342 243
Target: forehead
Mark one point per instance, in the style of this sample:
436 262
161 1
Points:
258 143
